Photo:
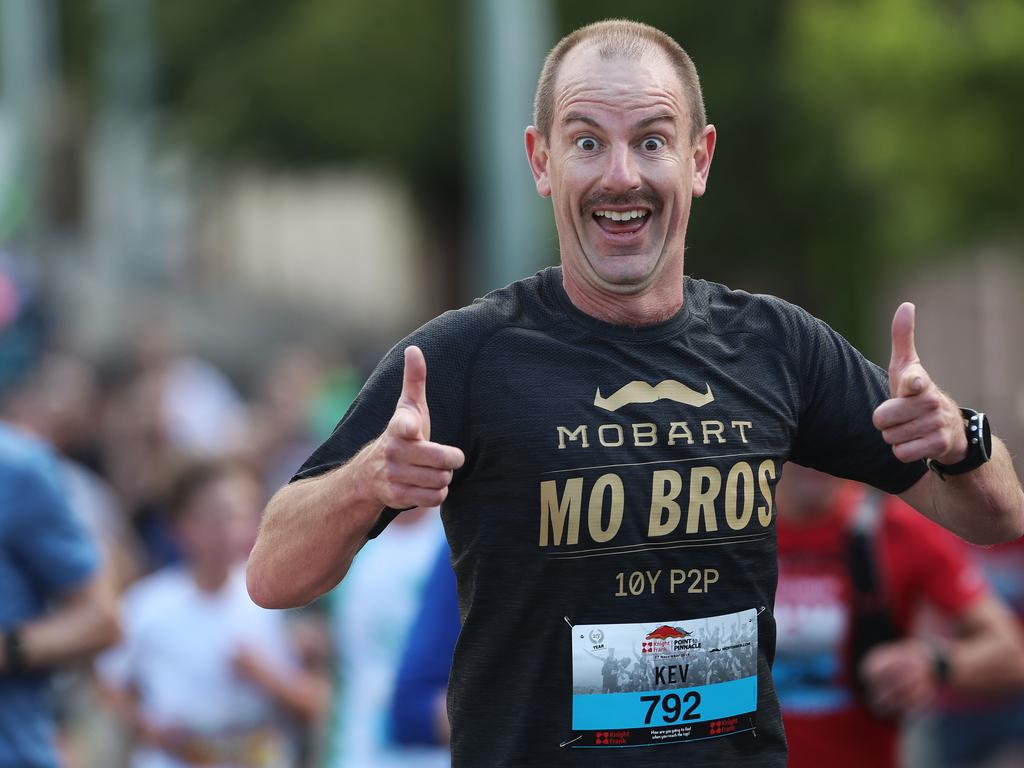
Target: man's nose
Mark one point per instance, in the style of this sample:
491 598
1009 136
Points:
621 173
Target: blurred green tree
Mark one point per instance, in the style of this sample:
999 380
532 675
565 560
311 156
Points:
314 82
854 137
925 102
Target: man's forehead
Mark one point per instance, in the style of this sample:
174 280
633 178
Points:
587 77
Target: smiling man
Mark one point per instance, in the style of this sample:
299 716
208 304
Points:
606 438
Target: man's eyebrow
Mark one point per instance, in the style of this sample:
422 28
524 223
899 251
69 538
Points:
574 117
656 119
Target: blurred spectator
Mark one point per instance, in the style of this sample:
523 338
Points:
372 614
197 405
280 428
57 604
974 731
165 408
339 387
855 570
24 320
203 676
419 712
57 402
139 459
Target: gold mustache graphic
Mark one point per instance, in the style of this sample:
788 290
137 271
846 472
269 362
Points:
642 392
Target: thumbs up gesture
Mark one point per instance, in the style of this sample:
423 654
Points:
919 421
406 469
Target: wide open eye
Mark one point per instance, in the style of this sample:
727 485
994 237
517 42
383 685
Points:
586 143
652 143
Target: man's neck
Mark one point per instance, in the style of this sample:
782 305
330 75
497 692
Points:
655 305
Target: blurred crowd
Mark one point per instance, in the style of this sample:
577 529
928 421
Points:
167 462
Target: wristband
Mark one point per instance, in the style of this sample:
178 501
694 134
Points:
940 665
14 650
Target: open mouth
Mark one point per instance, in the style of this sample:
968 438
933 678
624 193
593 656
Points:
627 222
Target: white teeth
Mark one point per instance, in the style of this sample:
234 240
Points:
621 215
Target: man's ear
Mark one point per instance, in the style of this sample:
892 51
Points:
537 155
703 151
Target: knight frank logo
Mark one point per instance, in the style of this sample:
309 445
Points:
642 392
666 639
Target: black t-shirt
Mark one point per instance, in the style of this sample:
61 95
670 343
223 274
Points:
623 476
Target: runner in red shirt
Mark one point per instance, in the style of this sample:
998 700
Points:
968 731
840 707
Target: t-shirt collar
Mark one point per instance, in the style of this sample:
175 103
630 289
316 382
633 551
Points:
552 281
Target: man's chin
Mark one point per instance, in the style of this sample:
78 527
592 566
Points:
624 275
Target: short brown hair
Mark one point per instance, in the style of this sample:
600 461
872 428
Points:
619 37
196 475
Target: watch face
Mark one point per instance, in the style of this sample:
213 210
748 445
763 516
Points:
986 436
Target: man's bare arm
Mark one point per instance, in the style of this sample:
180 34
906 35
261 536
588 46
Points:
986 657
82 623
984 506
313 528
919 421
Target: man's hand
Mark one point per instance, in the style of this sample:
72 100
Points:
321 522
405 468
919 421
899 677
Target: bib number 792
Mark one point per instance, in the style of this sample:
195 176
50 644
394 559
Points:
672 705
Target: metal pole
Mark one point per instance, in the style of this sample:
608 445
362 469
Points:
123 239
24 81
510 225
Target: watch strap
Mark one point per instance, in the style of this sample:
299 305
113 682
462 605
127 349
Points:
979 446
940 665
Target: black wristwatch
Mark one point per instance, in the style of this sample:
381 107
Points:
979 446
940 665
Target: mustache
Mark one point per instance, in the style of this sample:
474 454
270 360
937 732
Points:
642 198
642 392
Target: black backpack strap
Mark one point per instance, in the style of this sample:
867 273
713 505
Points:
860 549
872 621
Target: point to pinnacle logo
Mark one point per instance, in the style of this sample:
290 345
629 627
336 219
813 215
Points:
666 639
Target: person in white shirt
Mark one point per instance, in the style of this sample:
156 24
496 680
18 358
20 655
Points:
371 616
204 676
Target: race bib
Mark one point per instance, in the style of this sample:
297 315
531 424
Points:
656 683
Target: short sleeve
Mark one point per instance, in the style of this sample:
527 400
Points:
52 544
839 391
